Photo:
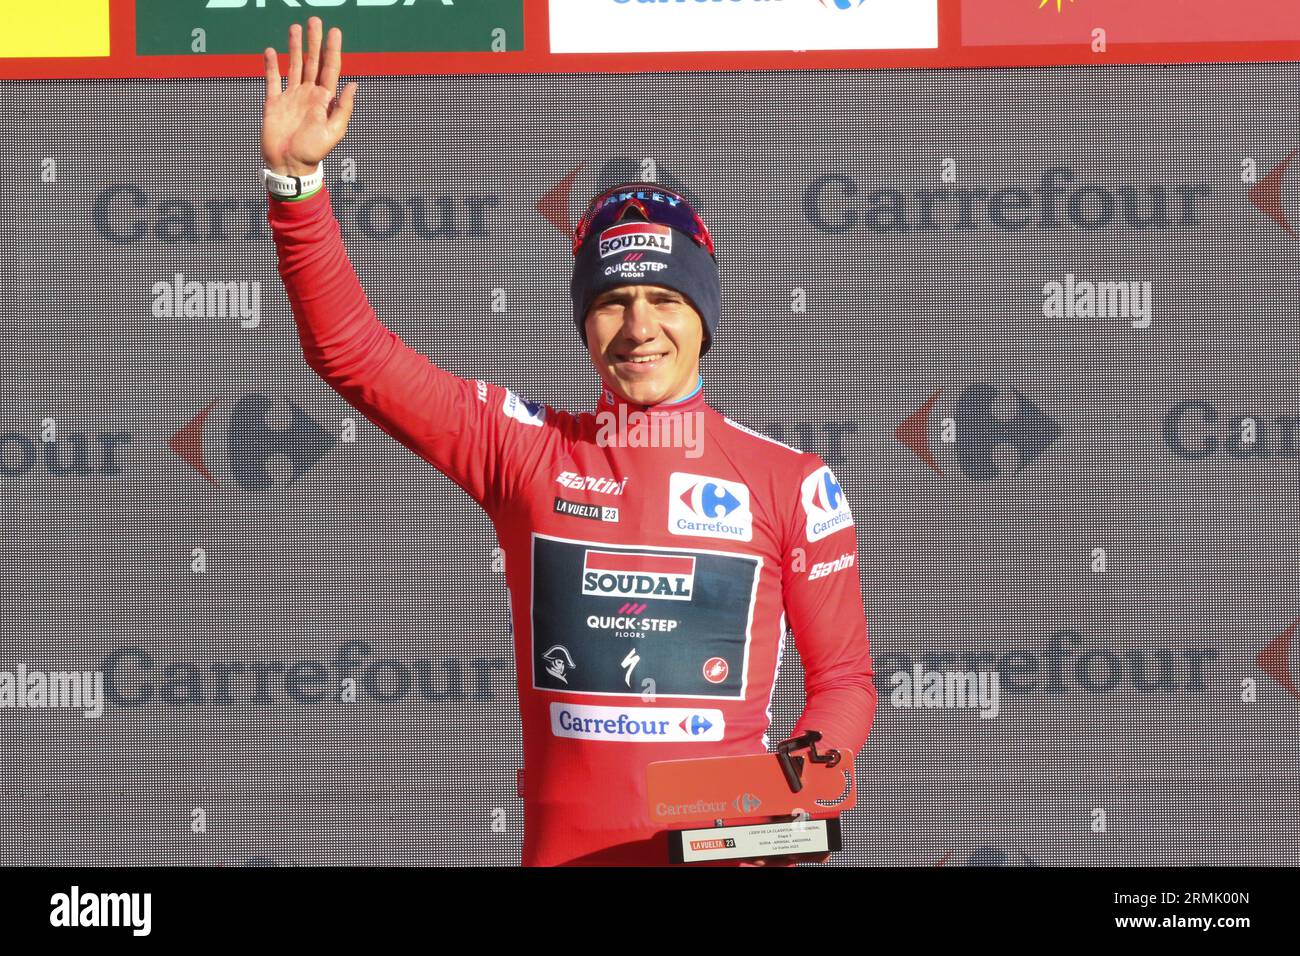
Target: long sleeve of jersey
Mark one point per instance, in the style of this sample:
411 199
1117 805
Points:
441 417
823 603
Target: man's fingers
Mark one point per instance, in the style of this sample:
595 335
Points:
332 60
341 112
272 64
311 65
295 54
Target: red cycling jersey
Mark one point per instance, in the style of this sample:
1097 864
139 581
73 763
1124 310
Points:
654 558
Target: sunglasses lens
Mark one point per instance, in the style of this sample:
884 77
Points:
657 205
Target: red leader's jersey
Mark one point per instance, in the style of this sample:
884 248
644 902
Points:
651 587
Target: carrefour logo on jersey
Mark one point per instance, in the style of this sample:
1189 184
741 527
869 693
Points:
824 504
617 574
522 410
636 724
704 507
636 236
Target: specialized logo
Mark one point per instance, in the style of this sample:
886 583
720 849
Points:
629 664
617 574
577 509
636 724
559 662
824 504
706 507
976 431
596 485
630 236
715 670
522 410
824 568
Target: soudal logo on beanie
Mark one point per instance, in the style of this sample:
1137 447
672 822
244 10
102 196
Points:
634 237
636 250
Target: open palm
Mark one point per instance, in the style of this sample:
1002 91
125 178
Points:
303 122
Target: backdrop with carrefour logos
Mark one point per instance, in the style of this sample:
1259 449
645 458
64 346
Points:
1041 323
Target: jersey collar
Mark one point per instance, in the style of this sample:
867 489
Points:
611 402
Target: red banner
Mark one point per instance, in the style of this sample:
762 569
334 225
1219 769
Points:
971 33
1044 22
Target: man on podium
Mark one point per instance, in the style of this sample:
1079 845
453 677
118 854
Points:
656 551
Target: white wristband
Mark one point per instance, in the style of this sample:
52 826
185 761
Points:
289 187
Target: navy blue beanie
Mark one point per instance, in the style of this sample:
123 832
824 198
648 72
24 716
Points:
635 252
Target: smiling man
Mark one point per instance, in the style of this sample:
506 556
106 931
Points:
652 587
646 342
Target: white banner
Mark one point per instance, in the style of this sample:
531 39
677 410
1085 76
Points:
678 26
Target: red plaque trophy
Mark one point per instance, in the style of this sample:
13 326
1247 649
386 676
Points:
764 805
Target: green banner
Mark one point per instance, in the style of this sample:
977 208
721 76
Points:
369 26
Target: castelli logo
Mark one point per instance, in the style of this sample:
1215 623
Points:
715 670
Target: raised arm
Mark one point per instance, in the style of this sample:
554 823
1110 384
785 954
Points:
481 436
823 602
